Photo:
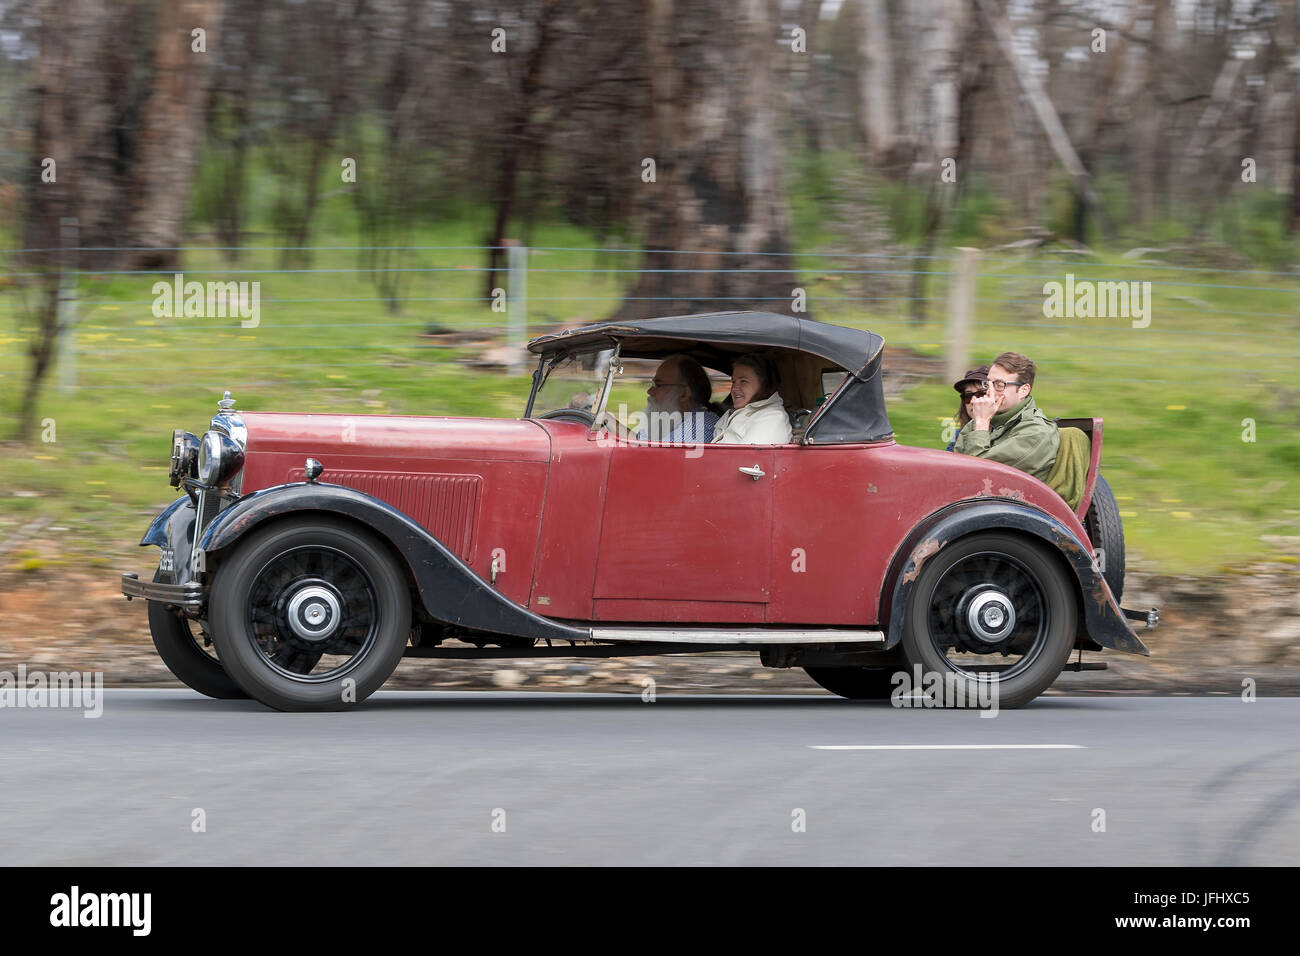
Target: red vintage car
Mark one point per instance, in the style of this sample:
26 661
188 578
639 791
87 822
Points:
313 552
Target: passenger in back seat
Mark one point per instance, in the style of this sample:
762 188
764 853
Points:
1006 425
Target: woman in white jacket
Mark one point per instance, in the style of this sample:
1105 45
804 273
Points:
757 415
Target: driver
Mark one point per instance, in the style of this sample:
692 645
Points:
677 408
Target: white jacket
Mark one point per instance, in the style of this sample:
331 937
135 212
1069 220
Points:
758 423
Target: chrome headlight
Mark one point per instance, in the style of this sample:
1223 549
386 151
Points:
220 457
185 457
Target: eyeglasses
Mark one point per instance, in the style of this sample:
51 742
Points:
658 384
998 384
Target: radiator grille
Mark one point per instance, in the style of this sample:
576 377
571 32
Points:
445 505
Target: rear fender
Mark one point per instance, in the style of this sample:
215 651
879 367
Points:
449 590
1103 621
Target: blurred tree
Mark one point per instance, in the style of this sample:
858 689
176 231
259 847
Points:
715 140
82 100
517 130
231 128
171 130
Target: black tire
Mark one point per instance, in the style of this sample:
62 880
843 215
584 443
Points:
297 575
1032 582
173 637
855 683
1102 522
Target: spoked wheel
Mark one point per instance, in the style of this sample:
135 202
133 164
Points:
310 615
992 607
855 683
186 656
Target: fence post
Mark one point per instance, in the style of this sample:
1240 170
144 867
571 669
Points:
961 310
67 315
516 303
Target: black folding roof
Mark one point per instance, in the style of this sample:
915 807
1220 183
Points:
852 349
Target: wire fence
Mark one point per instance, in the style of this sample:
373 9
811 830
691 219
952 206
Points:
127 327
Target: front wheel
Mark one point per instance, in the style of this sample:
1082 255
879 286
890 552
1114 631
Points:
992 607
192 665
310 614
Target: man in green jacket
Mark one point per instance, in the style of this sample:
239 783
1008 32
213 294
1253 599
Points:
1006 426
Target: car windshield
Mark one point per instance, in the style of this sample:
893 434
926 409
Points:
573 382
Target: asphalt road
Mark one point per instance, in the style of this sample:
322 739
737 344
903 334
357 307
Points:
421 778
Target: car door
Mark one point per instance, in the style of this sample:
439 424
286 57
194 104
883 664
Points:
836 521
686 534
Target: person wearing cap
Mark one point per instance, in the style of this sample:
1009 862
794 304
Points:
1005 424
968 387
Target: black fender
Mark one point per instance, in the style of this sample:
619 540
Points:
449 590
174 528
1103 621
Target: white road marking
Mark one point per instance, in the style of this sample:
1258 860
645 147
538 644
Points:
948 747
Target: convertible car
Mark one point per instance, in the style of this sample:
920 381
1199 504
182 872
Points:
310 553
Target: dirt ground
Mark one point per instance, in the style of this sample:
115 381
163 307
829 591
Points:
1212 637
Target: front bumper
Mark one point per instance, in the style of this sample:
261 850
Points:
190 597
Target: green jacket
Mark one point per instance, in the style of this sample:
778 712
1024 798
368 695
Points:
1022 437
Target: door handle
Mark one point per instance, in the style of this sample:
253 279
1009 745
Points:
755 472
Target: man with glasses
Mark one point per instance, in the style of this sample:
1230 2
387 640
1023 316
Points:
1005 425
677 404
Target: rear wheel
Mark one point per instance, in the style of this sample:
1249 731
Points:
992 607
855 683
1106 531
310 615
191 663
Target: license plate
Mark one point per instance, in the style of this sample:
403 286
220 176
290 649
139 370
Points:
167 562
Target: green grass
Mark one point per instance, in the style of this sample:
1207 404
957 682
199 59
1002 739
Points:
1194 496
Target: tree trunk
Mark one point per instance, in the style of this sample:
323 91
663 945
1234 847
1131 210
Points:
810 13
516 143
716 145
76 152
171 131
876 82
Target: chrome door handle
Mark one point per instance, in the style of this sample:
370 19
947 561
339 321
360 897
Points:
755 472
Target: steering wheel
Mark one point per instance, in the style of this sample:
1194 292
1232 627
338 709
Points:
579 416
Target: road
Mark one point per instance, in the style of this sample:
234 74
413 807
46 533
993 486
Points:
434 777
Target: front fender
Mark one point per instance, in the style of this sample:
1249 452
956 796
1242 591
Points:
449 590
1103 621
174 528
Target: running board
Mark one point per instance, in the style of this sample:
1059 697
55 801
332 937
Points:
675 635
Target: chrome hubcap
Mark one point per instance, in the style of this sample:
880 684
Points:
991 616
314 612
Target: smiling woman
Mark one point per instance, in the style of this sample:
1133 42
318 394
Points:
758 415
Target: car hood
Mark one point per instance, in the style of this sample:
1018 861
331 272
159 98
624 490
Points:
340 440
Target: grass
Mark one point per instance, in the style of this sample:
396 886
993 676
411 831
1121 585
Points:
1195 496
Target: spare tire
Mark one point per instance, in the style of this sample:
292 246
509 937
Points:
1107 533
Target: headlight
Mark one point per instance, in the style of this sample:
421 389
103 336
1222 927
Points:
185 457
220 457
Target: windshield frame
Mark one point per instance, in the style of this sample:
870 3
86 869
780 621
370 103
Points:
547 362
